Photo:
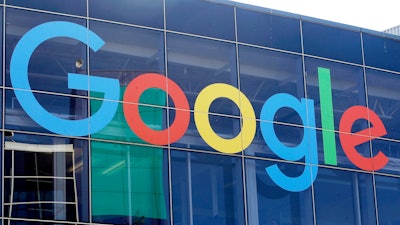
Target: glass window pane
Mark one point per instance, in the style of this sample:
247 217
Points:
20 222
264 73
324 155
200 17
129 184
344 193
260 148
128 52
195 63
388 199
53 59
2 161
391 150
118 129
139 12
348 89
40 170
270 204
77 7
223 126
384 100
45 211
330 42
69 108
200 192
381 52
1 39
268 30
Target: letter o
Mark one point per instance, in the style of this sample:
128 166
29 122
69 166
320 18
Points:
131 109
202 106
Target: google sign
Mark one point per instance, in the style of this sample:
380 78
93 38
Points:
306 149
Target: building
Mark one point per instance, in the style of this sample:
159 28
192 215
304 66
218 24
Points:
195 112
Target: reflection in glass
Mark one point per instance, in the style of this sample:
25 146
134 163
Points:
77 7
388 199
195 63
348 89
64 107
139 12
264 73
1 33
333 43
224 127
118 128
207 189
46 178
127 53
268 30
53 59
392 150
344 197
342 160
129 184
260 148
200 17
381 52
384 99
270 204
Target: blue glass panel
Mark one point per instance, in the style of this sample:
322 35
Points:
1 57
48 211
348 89
388 199
60 169
77 7
381 52
129 184
53 59
62 106
140 12
195 63
392 151
344 197
264 73
200 17
342 160
6 134
128 52
268 30
260 148
330 42
270 204
224 127
20 222
384 100
207 189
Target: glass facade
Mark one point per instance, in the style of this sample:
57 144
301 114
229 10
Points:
193 112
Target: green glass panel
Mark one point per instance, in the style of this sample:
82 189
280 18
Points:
118 128
127 180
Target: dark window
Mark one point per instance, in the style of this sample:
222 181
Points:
381 52
207 189
330 42
200 17
139 12
268 30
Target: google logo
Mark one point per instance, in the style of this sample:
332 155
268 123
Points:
306 149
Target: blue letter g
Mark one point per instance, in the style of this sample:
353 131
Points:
19 80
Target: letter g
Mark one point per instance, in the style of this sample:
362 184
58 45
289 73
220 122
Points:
19 80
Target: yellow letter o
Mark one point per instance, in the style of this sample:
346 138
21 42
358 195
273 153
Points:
202 106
